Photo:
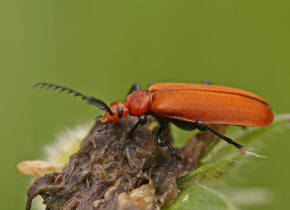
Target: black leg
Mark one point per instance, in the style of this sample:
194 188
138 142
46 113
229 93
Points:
203 127
206 82
161 142
142 119
134 87
149 85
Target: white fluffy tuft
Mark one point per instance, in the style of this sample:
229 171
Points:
66 143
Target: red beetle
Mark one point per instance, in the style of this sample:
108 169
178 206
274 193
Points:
188 106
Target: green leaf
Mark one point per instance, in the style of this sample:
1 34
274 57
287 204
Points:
197 197
211 171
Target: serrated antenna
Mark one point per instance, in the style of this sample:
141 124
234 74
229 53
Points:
91 100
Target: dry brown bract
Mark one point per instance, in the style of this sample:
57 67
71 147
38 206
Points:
37 168
98 176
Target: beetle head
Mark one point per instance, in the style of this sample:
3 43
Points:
119 111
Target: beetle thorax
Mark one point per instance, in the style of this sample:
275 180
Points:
138 102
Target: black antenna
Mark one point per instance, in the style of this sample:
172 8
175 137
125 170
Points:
93 101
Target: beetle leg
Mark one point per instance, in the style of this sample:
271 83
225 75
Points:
206 82
149 85
161 142
203 127
142 119
173 152
134 87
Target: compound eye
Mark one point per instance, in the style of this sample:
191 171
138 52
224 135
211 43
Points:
120 112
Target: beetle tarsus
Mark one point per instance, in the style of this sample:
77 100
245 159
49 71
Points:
202 126
163 143
173 152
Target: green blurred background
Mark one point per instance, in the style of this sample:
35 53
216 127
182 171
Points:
102 47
